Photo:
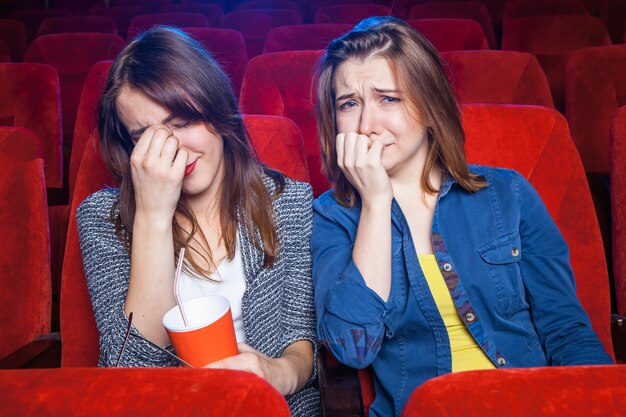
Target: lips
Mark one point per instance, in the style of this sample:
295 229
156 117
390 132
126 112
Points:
189 168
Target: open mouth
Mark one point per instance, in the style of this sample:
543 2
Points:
189 168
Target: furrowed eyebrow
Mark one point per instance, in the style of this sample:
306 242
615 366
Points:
385 91
138 132
345 96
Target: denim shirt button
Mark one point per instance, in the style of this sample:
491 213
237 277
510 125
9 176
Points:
470 317
515 252
447 267
501 361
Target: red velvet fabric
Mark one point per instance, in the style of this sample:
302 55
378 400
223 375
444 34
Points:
302 37
349 13
278 144
103 392
212 12
471 10
279 84
13 34
33 18
550 39
535 141
73 24
24 253
548 392
121 15
78 327
141 23
147 6
595 86
613 14
268 4
29 97
309 7
500 77
255 23
618 203
452 34
228 48
73 55
528 8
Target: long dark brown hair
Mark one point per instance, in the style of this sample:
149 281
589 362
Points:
416 65
171 68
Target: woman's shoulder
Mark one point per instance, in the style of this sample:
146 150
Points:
97 203
294 192
498 177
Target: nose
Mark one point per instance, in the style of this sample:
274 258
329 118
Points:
369 121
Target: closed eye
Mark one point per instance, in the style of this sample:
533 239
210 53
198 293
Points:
180 125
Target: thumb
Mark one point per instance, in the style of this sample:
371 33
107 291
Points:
245 348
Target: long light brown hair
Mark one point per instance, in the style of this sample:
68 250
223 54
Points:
174 70
416 64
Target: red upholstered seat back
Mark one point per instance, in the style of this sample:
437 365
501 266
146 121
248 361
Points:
550 39
25 292
527 8
268 4
213 12
452 34
535 141
30 98
279 84
227 47
499 77
147 6
121 15
13 35
72 24
349 13
255 23
141 23
613 14
618 203
303 37
471 10
278 144
122 392
547 392
595 86
32 18
73 55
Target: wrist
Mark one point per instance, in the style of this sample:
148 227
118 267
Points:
286 377
152 221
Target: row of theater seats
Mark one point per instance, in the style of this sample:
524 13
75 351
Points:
533 140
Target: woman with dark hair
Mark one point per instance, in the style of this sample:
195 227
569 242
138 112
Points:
423 264
172 137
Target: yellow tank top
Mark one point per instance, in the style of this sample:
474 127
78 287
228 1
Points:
466 354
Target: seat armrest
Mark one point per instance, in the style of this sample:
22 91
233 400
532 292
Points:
618 334
340 388
43 352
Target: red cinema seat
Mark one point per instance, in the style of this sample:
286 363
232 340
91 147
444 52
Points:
33 18
279 84
147 6
227 47
309 7
551 39
613 14
73 55
268 4
141 23
595 86
452 34
73 24
547 392
121 15
255 23
278 144
13 35
529 8
471 10
535 141
498 77
102 392
30 98
24 256
310 36
618 202
349 13
212 12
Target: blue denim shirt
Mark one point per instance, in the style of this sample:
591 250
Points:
506 266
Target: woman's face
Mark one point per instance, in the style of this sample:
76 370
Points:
370 102
204 171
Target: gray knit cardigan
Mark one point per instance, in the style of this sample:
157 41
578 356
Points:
277 306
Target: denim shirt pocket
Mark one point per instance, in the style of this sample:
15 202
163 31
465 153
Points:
501 257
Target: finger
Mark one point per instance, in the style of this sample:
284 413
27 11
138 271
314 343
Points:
376 151
170 147
141 146
339 145
180 162
155 147
361 148
349 154
245 348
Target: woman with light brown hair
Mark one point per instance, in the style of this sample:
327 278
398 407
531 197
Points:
172 137
423 264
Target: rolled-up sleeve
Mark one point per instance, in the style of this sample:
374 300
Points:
351 318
